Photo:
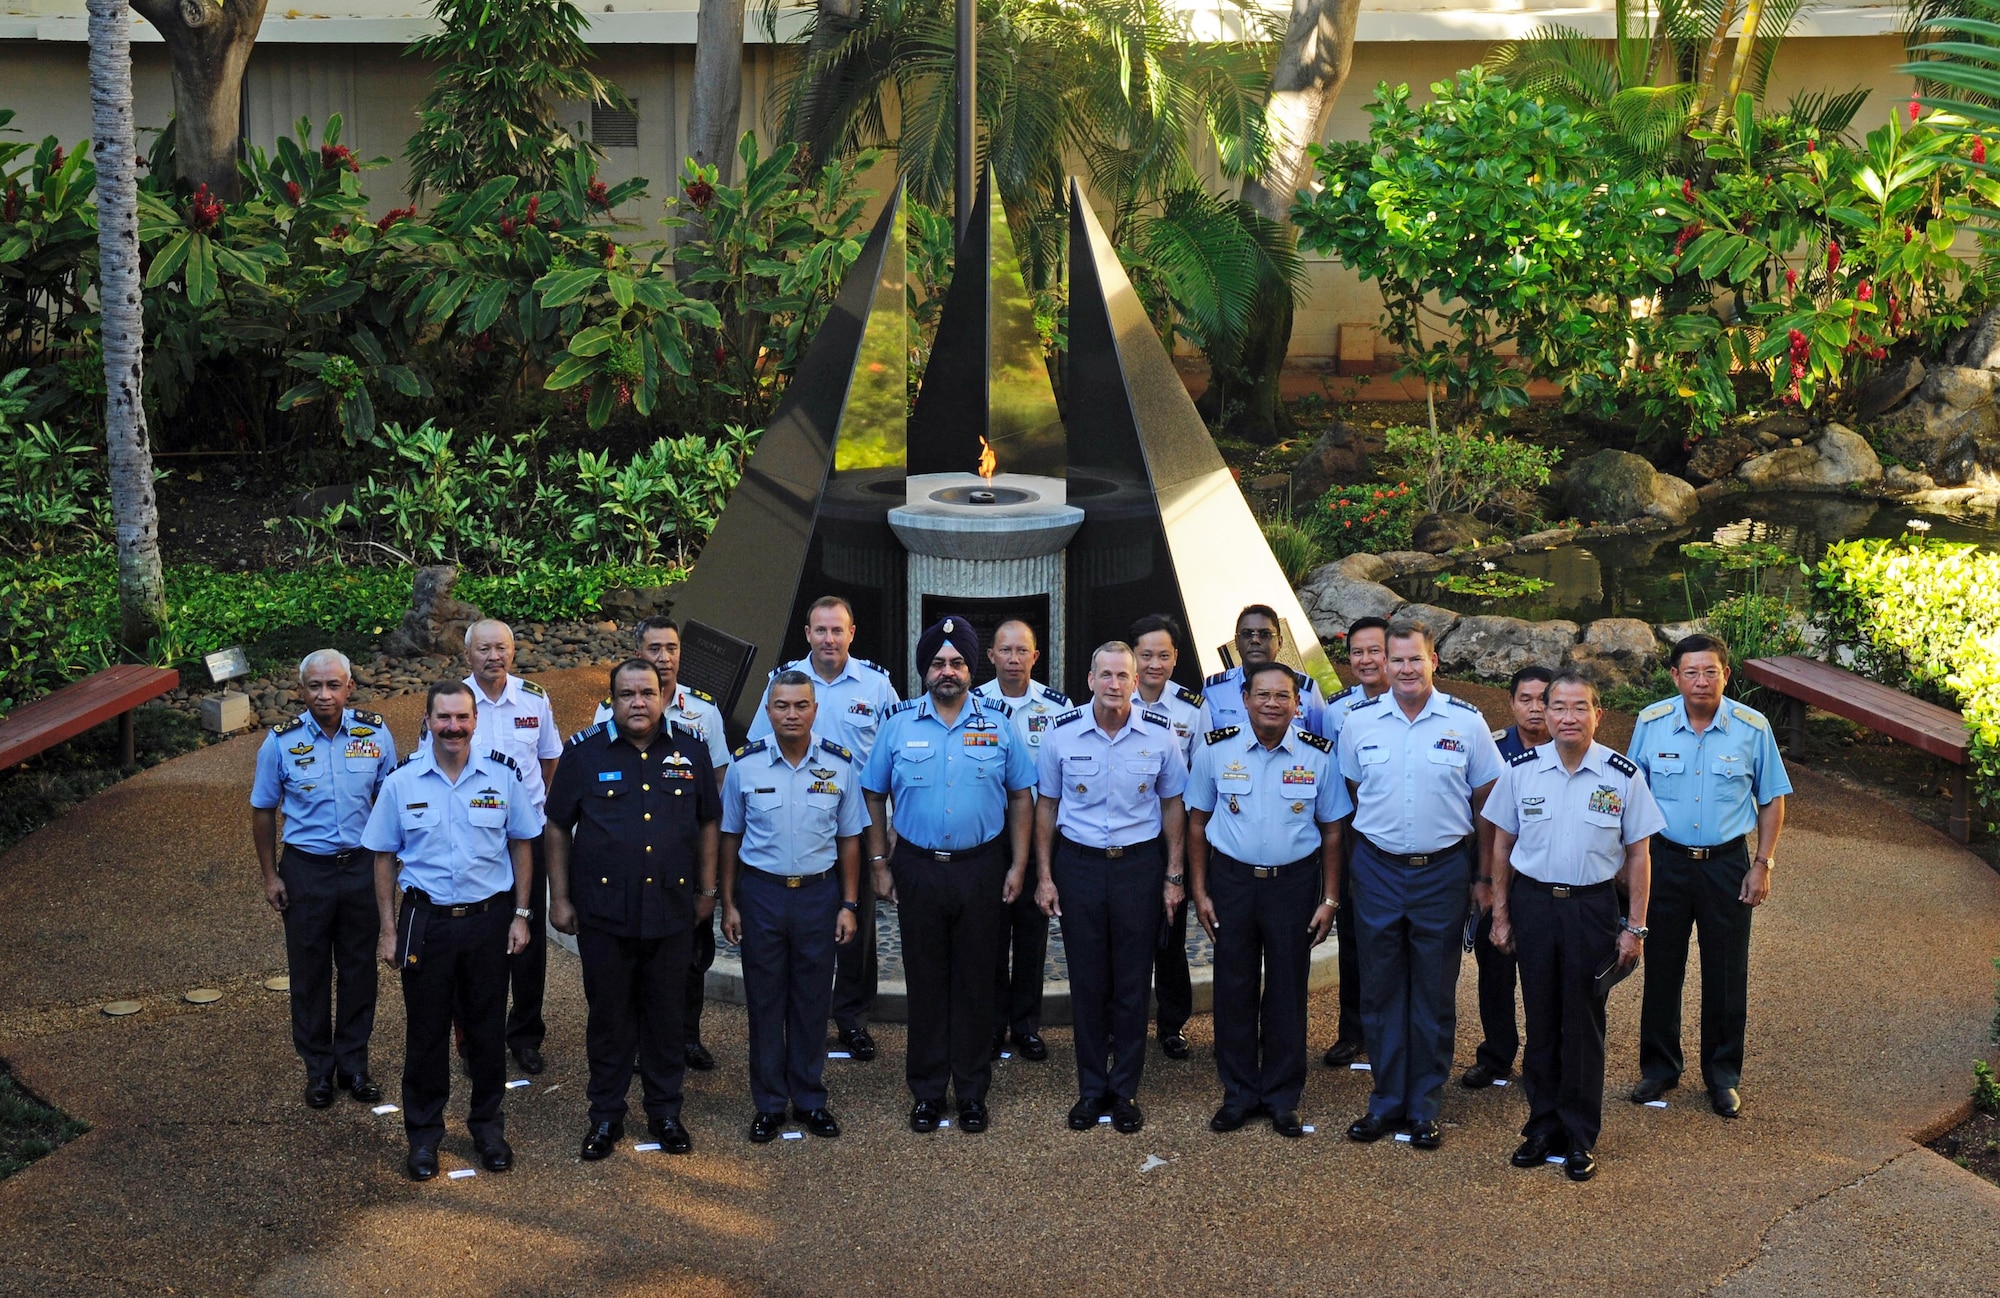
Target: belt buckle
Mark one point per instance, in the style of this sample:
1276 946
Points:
460 912
1700 853
1263 871
1113 853
1425 859
795 880
1559 889
940 856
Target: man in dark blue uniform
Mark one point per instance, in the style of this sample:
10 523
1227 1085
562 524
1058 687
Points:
632 827
1527 694
322 771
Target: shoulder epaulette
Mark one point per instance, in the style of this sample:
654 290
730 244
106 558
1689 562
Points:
1001 706
1307 682
585 733
405 760
1069 716
827 745
1061 700
1657 710
894 708
1527 755
606 703
1369 703
1461 703
497 756
287 727
1217 736
1749 716
1218 678
533 688
754 746
1162 721
1624 765
367 718
1320 742
704 697
1499 735
1187 696
871 666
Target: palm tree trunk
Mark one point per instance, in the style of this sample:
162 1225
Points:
1746 46
142 608
1704 80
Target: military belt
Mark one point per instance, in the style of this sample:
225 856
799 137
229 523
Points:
790 880
1700 853
418 897
1561 890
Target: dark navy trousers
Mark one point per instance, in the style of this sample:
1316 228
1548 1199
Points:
1017 972
1263 960
1409 921
331 926
461 974
855 968
1501 1034
528 969
634 986
1173 984
1111 913
949 915
788 956
1561 943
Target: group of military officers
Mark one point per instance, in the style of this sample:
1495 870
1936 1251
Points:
1388 814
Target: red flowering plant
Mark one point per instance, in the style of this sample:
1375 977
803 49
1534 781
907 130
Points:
1371 518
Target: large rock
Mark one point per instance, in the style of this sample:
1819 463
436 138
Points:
1366 567
630 604
1439 619
1619 487
436 620
1978 344
1939 440
1443 533
1501 646
1336 457
1840 458
1615 650
1333 600
1886 390
1958 386
1716 456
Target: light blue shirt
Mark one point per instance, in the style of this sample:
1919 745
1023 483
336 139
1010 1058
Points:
1223 705
851 705
949 784
1710 785
1181 707
1414 780
789 816
452 834
1334 715
1568 828
522 725
1266 804
324 784
1111 785
693 712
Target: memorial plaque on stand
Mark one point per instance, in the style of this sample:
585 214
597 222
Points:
715 662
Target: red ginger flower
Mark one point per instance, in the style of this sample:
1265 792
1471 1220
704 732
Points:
1832 258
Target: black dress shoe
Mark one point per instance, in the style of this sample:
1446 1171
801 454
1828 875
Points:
422 1163
319 1092
496 1155
820 1122
530 1059
1287 1124
1368 1129
1341 1053
1479 1076
1534 1151
857 1042
765 1128
1725 1101
1229 1118
1650 1089
1174 1047
1581 1165
999 1045
699 1059
972 1116
601 1139
673 1137
365 1089
1126 1117
1030 1046
925 1116
1426 1135
1084 1113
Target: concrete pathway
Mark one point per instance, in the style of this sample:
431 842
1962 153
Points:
1871 993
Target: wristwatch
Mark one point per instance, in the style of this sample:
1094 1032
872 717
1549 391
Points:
1329 901
709 892
1768 862
854 906
1176 880
1636 930
523 913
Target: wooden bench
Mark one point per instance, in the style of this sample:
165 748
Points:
1925 727
75 708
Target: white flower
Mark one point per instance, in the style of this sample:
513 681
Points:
1917 525
1488 565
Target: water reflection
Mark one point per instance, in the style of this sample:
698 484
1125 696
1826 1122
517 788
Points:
1649 577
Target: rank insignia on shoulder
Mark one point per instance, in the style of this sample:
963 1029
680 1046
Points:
606 704
827 745
1052 696
1217 736
586 733
1310 739
904 706
705 698
287 727
1001 706
1068 717
1657 710
1749 717
367 718
1164 722
533 688
754 746
1527 755
497 756
1187 696
692 732
1461 703
1217 679
405 760
1369 703
1624 765
871 666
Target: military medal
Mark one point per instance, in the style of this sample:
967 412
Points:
1233 807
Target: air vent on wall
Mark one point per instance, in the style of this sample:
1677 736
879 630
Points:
615 128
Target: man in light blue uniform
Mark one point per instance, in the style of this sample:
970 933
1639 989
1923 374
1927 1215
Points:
1024 946
1109 842
321 770
1156 641
1264 813
854 695
1421 763
461 821
1714 768
1368 659
961 787
792 816
1259 639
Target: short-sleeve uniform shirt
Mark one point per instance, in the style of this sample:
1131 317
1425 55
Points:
1181 707
1111 785
791 817
1569 827
452 835
1266 805
1709 785
324 784
1034 712
948 783
1414 780
851 705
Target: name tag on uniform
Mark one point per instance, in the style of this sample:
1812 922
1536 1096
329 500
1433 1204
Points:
916 743
1233 771
769 790
527 723
605 777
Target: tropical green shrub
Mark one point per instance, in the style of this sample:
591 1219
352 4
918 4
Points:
51 482
1364 519
1464 471
1296 547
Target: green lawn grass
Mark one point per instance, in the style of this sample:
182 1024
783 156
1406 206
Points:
30 1129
